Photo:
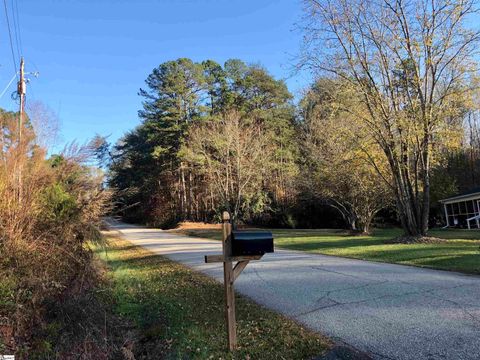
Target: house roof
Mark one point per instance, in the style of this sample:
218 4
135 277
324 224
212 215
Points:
468 194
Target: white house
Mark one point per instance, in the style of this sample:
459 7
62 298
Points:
463 210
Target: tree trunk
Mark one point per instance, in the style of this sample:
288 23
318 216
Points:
366 228
411 214
414 209
352 223
425 210
190 197
183 192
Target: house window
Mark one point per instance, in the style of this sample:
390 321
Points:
470 208
450 209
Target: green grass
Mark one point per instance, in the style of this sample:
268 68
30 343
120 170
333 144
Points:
180 313
460 253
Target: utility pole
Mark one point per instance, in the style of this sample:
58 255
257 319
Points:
21 89
21 93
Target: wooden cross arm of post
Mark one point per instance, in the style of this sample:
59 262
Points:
238 268
242 262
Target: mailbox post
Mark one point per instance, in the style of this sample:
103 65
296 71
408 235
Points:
228 280
262 243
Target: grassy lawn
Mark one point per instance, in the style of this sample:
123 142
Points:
179 313
460 253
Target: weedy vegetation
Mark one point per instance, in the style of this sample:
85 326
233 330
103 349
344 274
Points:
50 207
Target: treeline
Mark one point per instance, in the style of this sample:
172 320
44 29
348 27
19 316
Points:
212 137
229 137
389 126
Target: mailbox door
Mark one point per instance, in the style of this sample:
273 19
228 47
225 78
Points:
251 243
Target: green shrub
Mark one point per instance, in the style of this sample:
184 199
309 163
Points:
58 204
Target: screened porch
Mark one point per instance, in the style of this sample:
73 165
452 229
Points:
463 210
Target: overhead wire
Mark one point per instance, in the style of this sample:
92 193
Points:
15 28
17 38
10 37
6 87
34 65
30 62
18 26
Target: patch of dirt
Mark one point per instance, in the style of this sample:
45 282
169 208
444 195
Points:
191 225
418 239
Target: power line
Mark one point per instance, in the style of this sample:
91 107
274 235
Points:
10 83
34 65
10 36
18 27
15 28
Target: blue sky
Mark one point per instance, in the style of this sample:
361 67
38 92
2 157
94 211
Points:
94 55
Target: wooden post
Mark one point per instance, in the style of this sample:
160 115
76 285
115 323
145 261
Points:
230 274
229 279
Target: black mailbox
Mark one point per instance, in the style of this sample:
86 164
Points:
251 242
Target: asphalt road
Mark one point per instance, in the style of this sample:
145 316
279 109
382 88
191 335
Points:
389 311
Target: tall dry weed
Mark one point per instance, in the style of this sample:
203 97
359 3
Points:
49 209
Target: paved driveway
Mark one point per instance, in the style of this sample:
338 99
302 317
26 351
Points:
388 311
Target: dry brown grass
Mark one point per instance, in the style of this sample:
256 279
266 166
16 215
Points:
187 225
407 239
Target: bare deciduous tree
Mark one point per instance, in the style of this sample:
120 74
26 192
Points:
232 153
411 61
45 123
